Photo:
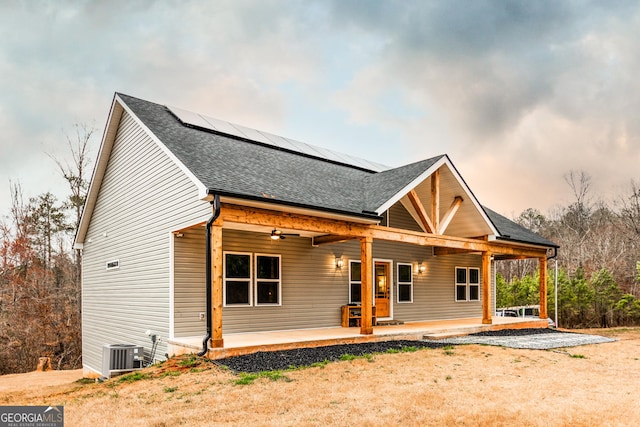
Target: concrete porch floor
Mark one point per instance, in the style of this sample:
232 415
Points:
246 343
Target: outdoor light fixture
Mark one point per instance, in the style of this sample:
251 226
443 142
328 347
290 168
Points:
422 268
339 262
275 235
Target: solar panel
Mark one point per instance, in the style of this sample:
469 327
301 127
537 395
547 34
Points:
217 125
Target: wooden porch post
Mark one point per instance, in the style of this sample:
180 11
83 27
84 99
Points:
543 287
366 289
486 288
216 284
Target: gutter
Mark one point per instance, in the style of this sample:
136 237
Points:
216 213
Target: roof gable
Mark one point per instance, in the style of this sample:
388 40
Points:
392 186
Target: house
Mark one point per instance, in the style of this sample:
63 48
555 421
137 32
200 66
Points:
196 227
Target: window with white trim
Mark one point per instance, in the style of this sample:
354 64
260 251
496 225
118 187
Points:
237 278
268 285
405 283
467 284
474 284
355 282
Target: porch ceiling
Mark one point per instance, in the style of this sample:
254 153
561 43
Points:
268 229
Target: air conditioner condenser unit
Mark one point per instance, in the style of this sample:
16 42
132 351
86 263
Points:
120 358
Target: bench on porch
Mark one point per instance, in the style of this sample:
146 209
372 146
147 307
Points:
352 315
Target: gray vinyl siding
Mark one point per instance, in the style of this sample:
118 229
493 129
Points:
399 217
313 289
144 196
189 283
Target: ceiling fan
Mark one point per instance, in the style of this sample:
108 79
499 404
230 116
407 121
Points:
278 234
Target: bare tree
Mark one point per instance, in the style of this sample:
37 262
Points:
76 174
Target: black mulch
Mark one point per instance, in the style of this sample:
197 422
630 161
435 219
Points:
280 360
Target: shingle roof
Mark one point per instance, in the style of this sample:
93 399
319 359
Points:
233 166
380 187
514 232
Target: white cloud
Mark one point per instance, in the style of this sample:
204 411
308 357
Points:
516 92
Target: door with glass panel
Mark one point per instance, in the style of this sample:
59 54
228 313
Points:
382 288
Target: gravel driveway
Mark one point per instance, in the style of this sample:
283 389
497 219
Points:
538 339
542 339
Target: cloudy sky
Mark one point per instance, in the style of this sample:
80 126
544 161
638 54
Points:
518 93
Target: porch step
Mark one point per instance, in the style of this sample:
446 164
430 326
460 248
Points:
442 335
389 322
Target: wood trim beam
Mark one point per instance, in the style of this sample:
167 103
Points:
508 257
329 238
451 212
471 245
439 251
543 287
269 218
486 288
216 284
422 213
366 286
435 201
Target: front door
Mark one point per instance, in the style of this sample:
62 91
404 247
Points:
382 288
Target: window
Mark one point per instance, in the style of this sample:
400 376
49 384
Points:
267 279
467 284
355 281
237 278
405 283
474 284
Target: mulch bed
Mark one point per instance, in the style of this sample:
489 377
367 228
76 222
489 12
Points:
281 360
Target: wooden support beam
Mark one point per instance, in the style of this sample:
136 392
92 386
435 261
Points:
277 219
216 284
543 287
439 251
422 213
486 288
508 257
435 201
366 287
471 245
451 212
329 238
269 218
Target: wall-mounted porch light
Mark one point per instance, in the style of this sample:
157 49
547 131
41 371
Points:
422 268
339 262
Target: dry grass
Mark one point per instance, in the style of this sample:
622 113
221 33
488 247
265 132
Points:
595 385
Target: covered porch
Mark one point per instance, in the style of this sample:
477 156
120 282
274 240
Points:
323 231
246 343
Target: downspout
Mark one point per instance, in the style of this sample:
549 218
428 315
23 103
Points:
216 213
555 284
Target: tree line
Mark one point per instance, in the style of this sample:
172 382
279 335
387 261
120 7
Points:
599 259
40 291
